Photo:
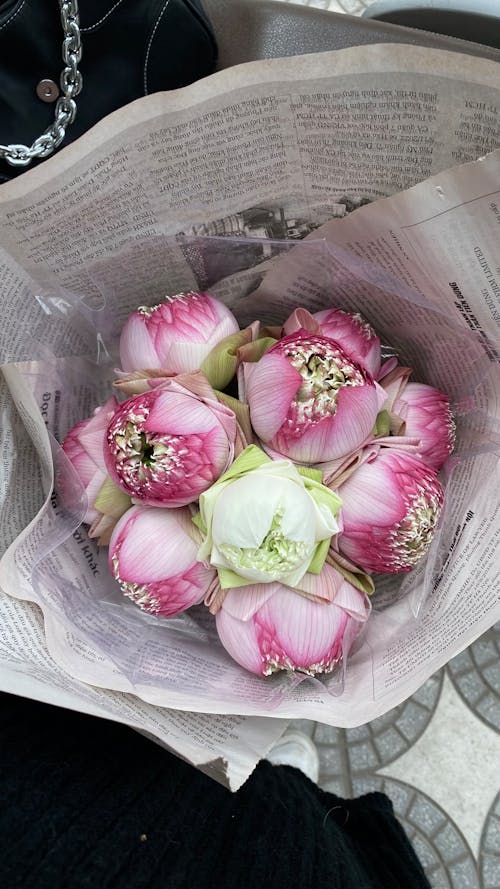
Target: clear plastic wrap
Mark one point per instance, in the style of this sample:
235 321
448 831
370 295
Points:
103 638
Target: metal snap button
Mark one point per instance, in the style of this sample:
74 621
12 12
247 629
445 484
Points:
47 90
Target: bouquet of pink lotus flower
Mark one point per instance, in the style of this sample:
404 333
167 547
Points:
279 507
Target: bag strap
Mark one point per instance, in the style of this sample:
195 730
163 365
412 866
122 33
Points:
65 109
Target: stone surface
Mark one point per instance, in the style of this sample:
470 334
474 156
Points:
489 855
456 762
475 674
438 760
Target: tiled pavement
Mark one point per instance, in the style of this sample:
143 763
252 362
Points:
437 756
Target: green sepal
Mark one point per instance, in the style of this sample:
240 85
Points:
252 352
241 411
198 521
111 500
323 496
220 364
382 424
309 472
358 579
318 559
251 458
228 579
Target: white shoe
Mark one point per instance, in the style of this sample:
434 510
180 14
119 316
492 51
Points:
295 748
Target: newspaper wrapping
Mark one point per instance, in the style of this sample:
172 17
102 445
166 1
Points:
280 149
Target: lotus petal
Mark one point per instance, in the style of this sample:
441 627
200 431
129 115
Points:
270 386
239 638
136 346
307 631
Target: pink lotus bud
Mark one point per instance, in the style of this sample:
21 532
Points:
167 445
349 329
390 508
270 627
152 555
427 416
84 446
176 335
309 401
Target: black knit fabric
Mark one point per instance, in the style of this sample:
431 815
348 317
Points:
90 804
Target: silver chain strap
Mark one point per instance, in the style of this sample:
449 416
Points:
71 85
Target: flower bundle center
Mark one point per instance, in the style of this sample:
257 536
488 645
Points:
276 555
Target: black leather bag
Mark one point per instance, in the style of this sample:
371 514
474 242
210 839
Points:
129 48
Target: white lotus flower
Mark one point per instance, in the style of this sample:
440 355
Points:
264 521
